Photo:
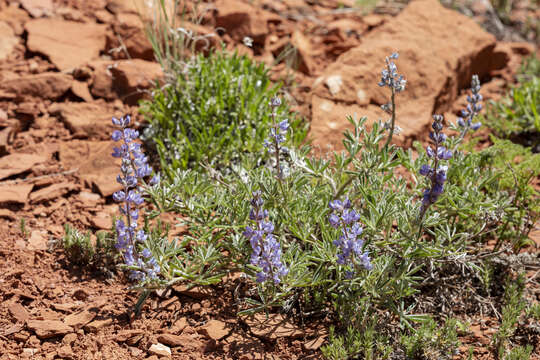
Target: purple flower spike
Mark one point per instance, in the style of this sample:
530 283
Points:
134 167
350 246
266 249
436 177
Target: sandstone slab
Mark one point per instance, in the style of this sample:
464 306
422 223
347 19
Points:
52 192
79 319
68 44
8 40
97 167
49 85
160 350
15 164
38 8
215 330
18 312
45 329
16 194
133 76
436 62
38 240
85 119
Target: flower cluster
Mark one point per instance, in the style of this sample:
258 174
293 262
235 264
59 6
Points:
133 169
390 76
277 137
266 249
436 173
344 217
473 107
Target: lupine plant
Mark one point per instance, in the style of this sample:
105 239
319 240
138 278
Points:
304 248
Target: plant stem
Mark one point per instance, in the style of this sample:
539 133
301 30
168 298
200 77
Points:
393 119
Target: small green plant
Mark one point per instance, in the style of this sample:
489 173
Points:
432 341
514 305
82 251
214 113
78 246
356 342
22 227
517 116
520 353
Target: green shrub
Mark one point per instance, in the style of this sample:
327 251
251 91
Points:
517 116
214 114
80 250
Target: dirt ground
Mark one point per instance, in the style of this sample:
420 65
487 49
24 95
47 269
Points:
67 67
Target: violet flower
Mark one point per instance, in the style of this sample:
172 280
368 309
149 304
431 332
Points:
133 169
436 172
266 249
345 218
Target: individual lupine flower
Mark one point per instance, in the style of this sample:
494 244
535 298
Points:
390 76
391 79
465 121
278 134
133 169
266 249
345 218
436 173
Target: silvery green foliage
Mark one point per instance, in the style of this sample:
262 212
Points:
403 251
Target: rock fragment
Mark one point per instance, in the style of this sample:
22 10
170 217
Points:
68 44
45 329
160 350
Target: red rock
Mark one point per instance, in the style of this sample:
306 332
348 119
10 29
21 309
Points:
133 76
304 52
95 325
85 119
272 327
79 319
38 8
52 192
8 40
160 350
18 312
101 221
102 84
215 329
437 64
98 168
66 306
314 344
130 28
67 44
17 194
240 19
172 340
80 88
15 17
45 86
69 339
45 329
15 164
29 352
65 352
38 240
7 214
89 199
125 335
